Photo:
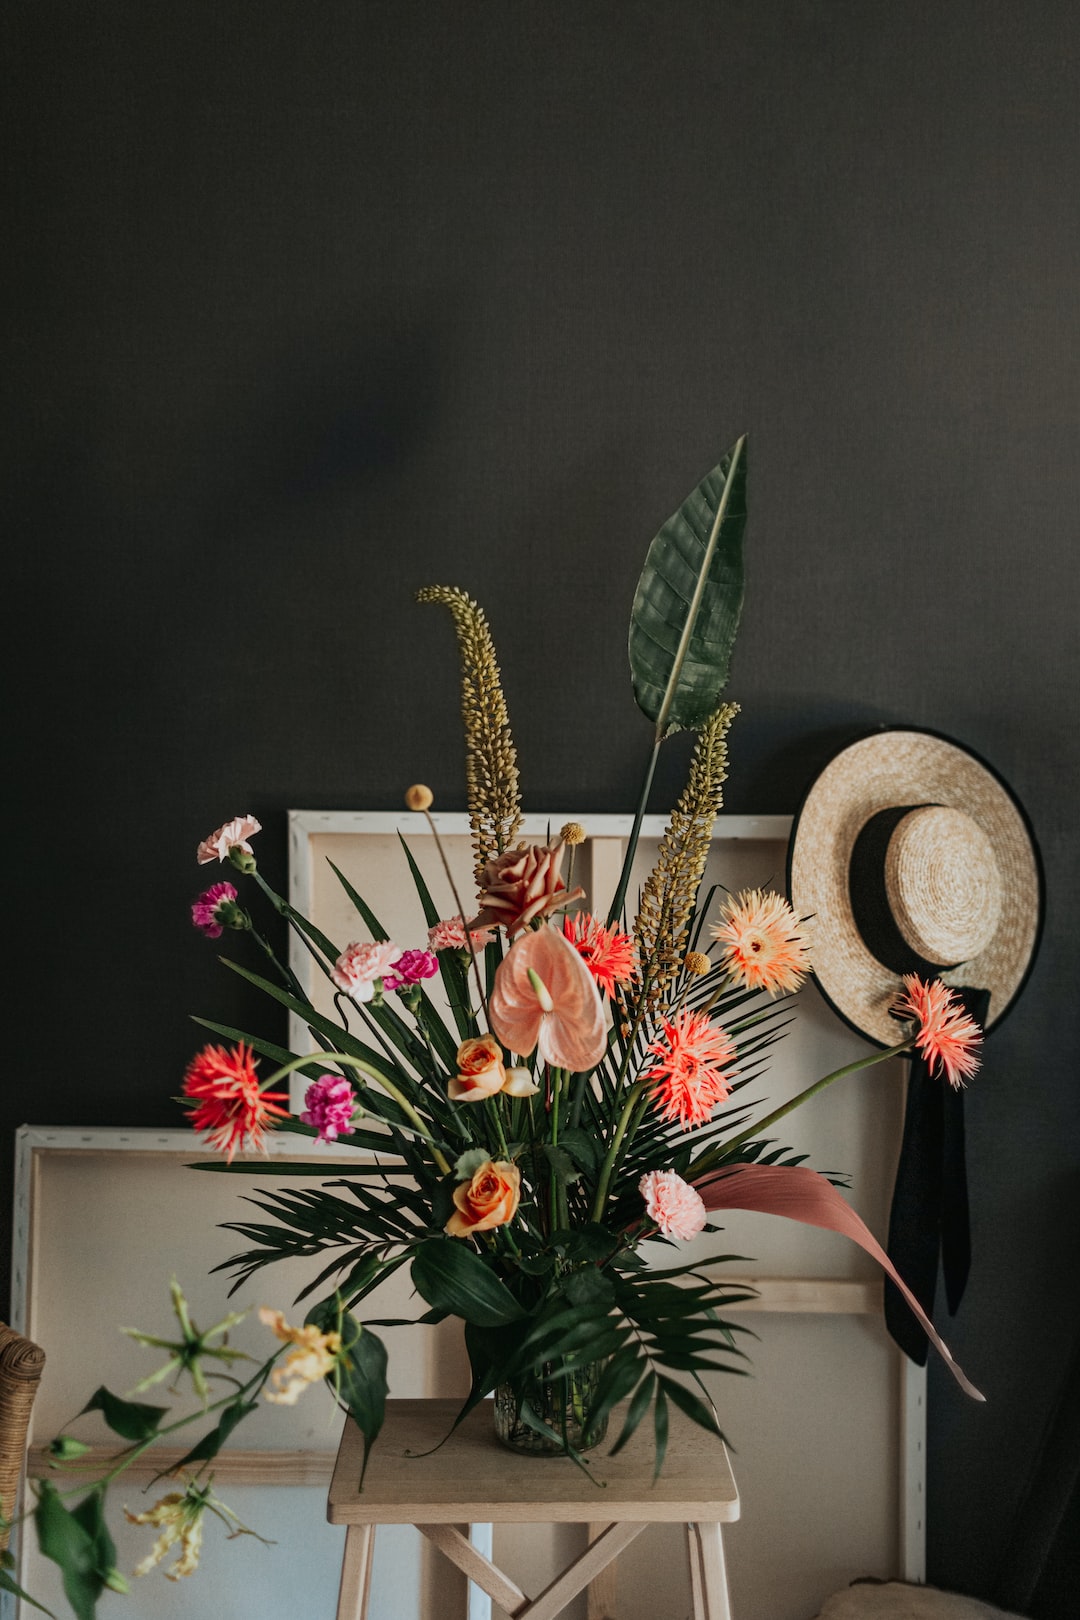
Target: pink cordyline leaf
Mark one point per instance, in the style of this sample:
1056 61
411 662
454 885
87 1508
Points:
800 1194
569 1035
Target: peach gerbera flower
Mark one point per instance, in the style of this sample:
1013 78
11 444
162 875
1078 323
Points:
692 1057
608 954
228 1103
762 946
946 1037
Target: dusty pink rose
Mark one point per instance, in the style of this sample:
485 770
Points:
449 935
234 834
329 1103
410 968
523 885
209 911
359 965
672 1204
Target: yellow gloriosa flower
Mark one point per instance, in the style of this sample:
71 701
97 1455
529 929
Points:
180 1519
313 1357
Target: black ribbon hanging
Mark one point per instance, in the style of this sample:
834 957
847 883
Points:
929 1220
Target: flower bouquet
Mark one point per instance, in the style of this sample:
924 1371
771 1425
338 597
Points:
573 1093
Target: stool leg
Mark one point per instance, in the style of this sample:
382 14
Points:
713 1597
697 1595
356 1572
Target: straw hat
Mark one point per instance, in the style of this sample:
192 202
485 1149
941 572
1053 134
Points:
911 855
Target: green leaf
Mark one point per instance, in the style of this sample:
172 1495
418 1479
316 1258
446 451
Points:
589 1242
565 1168
374 926
589 1289
660 1426
360 1379
452 1277
582 1147
64 1539
131 1420
212 1442
694 1407
638 1407
688 601
431 910
469 1163
8 1583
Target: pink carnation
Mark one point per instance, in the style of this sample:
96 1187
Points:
410 968
329 1104
449 935
672 1204
235 832
206 913
359 965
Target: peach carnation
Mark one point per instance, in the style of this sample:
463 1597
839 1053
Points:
450 935
234 835
673 1206
359 965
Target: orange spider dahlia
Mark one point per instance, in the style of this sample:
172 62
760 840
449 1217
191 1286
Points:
692 1057
608 954
762 946
228 1103
947 1037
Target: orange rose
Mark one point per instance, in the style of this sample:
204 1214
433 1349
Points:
489 1199
523 885
480 1070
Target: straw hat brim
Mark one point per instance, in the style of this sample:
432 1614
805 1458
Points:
886 769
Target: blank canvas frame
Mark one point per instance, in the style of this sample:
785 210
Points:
813 1286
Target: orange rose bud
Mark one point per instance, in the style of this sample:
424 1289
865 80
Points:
489 1199
481 1072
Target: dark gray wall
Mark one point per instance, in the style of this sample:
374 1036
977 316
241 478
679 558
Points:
311 305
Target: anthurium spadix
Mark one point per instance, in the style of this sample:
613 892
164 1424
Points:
801 1194
545 999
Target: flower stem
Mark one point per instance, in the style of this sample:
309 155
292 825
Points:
613 1151
635 833
723 1149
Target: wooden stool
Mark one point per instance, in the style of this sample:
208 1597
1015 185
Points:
472 1479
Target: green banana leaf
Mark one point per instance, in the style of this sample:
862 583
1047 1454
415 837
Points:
688 601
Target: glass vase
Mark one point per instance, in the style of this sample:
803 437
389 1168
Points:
562 1403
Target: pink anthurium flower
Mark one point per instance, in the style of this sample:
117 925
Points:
545 997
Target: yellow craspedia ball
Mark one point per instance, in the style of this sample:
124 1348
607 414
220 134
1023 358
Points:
573 833
697 962
419 797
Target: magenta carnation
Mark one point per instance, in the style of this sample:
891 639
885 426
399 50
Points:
328 1106
410 968
208 911
672 1204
